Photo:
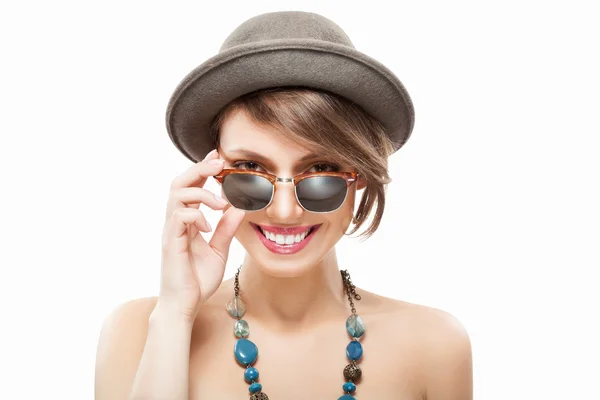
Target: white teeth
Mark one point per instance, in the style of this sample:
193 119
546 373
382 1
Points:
285 239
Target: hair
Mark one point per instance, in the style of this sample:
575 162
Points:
330 125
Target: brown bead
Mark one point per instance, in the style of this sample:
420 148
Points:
259 396
352 372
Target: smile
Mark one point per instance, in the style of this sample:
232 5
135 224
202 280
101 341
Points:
285 240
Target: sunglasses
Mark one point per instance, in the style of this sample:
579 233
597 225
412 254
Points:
318 192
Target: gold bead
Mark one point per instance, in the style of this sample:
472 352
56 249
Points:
352 372
259 396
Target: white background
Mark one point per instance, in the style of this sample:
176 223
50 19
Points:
493 211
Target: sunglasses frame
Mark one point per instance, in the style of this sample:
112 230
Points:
349 177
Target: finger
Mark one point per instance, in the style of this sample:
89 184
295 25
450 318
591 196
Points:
225 231
197 174
185 197
179 221
181 231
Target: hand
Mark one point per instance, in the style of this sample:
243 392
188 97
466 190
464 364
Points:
192 269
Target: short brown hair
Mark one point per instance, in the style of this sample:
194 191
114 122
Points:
331 125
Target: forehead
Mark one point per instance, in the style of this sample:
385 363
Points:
240 133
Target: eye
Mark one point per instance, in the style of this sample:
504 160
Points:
324 167
246 165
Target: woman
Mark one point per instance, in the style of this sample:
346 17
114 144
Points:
298 122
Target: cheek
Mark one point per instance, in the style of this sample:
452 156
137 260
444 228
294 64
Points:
343 216
244 231
350 200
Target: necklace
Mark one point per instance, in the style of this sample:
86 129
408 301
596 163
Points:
246 352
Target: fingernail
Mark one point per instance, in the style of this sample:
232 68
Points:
221 200
216 161
210 154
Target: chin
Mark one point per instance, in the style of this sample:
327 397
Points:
286 260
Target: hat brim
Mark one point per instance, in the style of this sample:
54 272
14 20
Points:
284 62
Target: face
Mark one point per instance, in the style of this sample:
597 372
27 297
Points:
283 239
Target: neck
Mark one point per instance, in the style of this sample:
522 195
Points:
289 303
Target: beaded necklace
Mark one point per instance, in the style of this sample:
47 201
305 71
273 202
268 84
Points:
246 352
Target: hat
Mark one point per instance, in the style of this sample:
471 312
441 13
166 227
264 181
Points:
278 49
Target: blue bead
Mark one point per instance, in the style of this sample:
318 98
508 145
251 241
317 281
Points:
255 388
355 326
245 351
349 387
251 374
354 351
347 397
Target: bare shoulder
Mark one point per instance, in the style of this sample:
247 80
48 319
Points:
439 342
430 323
120 346
447 357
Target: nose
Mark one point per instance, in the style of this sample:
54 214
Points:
284 207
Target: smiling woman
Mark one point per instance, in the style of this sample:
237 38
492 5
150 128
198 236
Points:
306 197
329 128
291 148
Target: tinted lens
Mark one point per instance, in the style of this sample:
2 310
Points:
247 192
321 193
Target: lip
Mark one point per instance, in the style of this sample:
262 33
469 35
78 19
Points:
285 248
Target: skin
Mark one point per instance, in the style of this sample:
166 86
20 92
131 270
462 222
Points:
297 308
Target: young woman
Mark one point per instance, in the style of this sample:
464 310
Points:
298 123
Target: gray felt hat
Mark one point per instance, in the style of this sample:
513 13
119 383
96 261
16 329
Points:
285 48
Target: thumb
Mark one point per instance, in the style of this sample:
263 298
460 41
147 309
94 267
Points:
225 231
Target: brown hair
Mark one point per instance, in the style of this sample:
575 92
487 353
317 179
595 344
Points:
331 125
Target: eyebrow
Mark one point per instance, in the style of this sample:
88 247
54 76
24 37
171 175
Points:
259 157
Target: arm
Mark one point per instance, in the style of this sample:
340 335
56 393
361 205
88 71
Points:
143 353
449 372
